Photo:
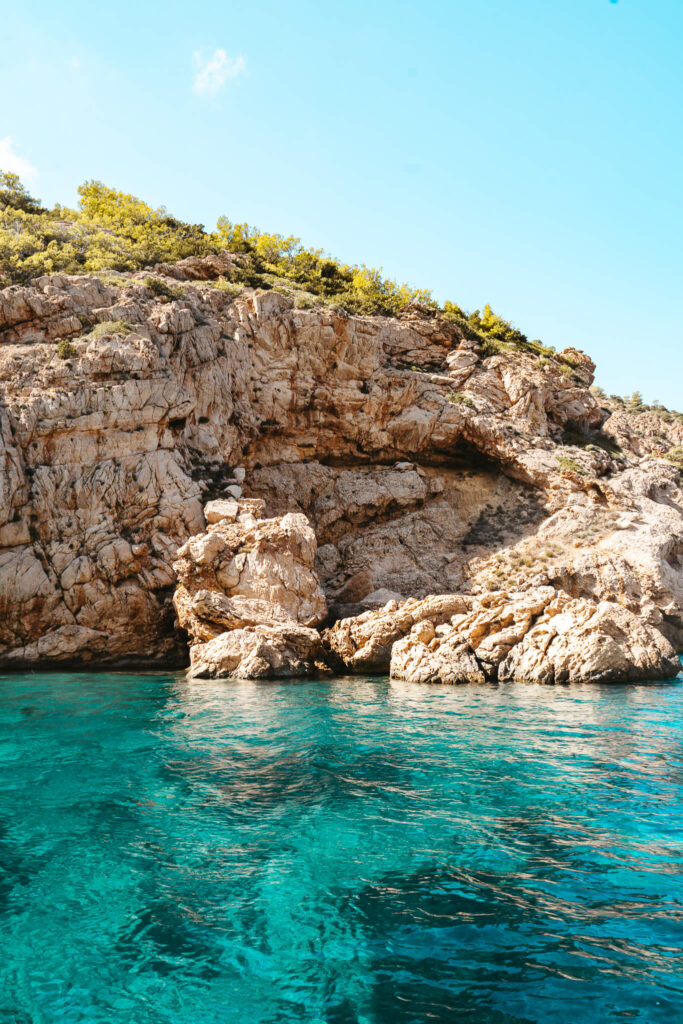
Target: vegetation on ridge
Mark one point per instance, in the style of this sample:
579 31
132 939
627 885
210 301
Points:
635 406
115 231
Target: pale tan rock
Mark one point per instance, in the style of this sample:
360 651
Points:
64 644
258 652
248 594
380 598
364 643
537 636
107 458
215 511
247 571
579 641
14 534
469 647
416 661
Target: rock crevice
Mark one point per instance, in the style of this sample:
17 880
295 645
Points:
402 464
248 595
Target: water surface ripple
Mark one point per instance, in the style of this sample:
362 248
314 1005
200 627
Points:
349 851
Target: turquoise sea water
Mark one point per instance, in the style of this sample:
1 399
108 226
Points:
339 851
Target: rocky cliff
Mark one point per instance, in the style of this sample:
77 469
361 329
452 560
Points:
424 466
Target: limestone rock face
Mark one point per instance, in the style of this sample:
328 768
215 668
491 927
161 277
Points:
624 547
364 644
578 641
258 652
248 595
451 662
423 466
539 636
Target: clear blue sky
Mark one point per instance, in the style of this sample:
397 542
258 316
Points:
523 152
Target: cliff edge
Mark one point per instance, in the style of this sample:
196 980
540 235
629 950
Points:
425 466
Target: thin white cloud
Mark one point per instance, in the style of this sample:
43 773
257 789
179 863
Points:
214 71
11 161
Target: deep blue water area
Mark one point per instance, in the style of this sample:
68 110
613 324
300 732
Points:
339 851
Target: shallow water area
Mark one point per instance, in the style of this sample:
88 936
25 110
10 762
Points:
346 850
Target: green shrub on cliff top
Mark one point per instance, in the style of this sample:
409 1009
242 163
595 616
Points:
15 195
113 230
493 333
675 455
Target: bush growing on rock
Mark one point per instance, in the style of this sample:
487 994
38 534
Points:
116 231
15 195
571 465
223 285
457 398
130 235
493 333
158 287
108 327
675 456
65 350
304 301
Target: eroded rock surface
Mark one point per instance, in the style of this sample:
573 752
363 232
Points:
258 652
539 635
364 643
248 595
424 466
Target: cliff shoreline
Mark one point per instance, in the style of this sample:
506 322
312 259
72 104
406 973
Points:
425 467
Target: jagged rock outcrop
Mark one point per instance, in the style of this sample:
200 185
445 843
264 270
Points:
247 593
540 635
259 652
424 465
364 643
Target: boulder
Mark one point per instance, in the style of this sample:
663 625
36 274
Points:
258 652
221 508
535 636
579 641
248 595
364 643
